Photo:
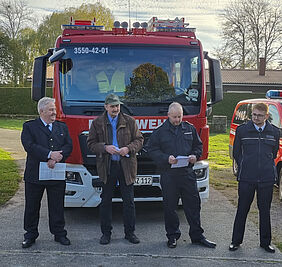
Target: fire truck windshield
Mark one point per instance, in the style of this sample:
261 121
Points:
150 76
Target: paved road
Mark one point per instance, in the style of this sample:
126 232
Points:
83 230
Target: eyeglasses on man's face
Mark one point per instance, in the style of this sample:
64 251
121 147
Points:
258 115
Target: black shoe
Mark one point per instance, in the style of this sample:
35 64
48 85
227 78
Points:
204 242
132 238
28 243
233 247
62 240
105 239
172 243
268 248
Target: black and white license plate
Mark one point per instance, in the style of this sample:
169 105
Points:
143 180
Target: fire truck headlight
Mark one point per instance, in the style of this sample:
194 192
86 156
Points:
200 174
73 177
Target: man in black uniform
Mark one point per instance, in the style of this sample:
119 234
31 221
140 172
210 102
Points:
255 148
45 140
176 138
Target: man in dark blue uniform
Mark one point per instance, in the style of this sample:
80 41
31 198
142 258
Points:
176 138
45 140
255 147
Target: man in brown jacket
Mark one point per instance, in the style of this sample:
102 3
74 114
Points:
115 139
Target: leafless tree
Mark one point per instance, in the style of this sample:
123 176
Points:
14 14
250 30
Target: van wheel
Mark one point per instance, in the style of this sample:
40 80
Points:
280 184
235 167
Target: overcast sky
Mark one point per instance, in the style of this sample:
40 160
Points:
201 14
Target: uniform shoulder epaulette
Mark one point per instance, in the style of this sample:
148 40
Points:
242 125
187 122
29 121
159 126
275 127
60 122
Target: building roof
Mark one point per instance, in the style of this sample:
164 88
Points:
251 77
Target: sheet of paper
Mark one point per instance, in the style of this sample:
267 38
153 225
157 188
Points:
46 173
182 161
119 150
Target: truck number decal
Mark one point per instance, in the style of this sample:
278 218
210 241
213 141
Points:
89 50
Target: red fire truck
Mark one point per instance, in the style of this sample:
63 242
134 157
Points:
242 114
148 66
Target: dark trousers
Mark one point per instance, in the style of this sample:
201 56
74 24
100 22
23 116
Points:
246 192
55 196
173 188
127 194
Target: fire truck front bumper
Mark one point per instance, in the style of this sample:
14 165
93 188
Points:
83 189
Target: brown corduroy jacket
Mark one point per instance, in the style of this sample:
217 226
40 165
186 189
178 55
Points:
128 135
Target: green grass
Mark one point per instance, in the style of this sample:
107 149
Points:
221 176
9 177
13 124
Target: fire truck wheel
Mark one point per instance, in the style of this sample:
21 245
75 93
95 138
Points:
280 184
234 167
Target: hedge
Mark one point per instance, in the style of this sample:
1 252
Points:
18 101
230 100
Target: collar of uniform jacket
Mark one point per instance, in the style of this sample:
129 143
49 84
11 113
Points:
267 128
174 128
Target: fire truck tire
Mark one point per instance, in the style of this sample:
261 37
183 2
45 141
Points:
234 167
280 184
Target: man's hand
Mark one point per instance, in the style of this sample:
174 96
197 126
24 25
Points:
56 155
124 151
51 163
192 159
172 159
111 149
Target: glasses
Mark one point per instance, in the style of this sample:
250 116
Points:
258 115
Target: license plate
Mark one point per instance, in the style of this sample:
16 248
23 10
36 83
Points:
143 180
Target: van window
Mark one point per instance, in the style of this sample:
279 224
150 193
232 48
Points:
243 114
274 117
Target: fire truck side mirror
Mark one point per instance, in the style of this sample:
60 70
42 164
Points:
39 77
215 80
57 55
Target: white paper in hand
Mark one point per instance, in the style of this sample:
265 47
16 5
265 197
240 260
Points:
182 161
46 173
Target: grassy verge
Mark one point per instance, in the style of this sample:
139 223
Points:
9 177
13 124
220 164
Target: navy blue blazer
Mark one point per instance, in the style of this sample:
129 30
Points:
255 152
38 141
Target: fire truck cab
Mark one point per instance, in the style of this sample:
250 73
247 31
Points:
242 114
148 66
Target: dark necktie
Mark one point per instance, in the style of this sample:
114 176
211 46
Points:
48 127
260 130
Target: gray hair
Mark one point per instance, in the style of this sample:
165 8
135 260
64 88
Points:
43 102
174 106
